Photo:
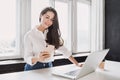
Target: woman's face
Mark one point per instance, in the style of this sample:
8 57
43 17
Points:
47 19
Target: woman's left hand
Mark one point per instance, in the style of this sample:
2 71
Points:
79 65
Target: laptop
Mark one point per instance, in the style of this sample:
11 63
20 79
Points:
91 64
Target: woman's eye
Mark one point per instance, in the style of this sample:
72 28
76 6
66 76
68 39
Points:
47 17
52 20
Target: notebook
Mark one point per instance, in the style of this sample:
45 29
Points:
91 64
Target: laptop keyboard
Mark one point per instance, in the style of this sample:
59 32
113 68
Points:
73 73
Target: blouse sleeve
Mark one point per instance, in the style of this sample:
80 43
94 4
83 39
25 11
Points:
28 54
66 53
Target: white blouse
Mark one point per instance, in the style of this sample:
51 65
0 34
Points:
34 43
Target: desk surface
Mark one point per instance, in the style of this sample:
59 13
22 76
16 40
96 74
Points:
45 74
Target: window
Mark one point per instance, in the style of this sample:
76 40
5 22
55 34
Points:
83 27
62 10
19 16
36 8
7 28
69 29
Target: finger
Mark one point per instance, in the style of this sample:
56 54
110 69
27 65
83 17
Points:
45 52
81 65
47 56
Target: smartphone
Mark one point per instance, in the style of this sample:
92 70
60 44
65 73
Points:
49 49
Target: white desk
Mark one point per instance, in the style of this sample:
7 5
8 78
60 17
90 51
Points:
45 74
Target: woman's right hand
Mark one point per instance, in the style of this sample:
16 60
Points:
43 55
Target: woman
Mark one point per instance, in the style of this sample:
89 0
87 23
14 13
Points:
45 34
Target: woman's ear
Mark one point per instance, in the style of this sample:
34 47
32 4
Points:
40 18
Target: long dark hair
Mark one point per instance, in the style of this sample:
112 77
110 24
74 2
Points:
54 34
